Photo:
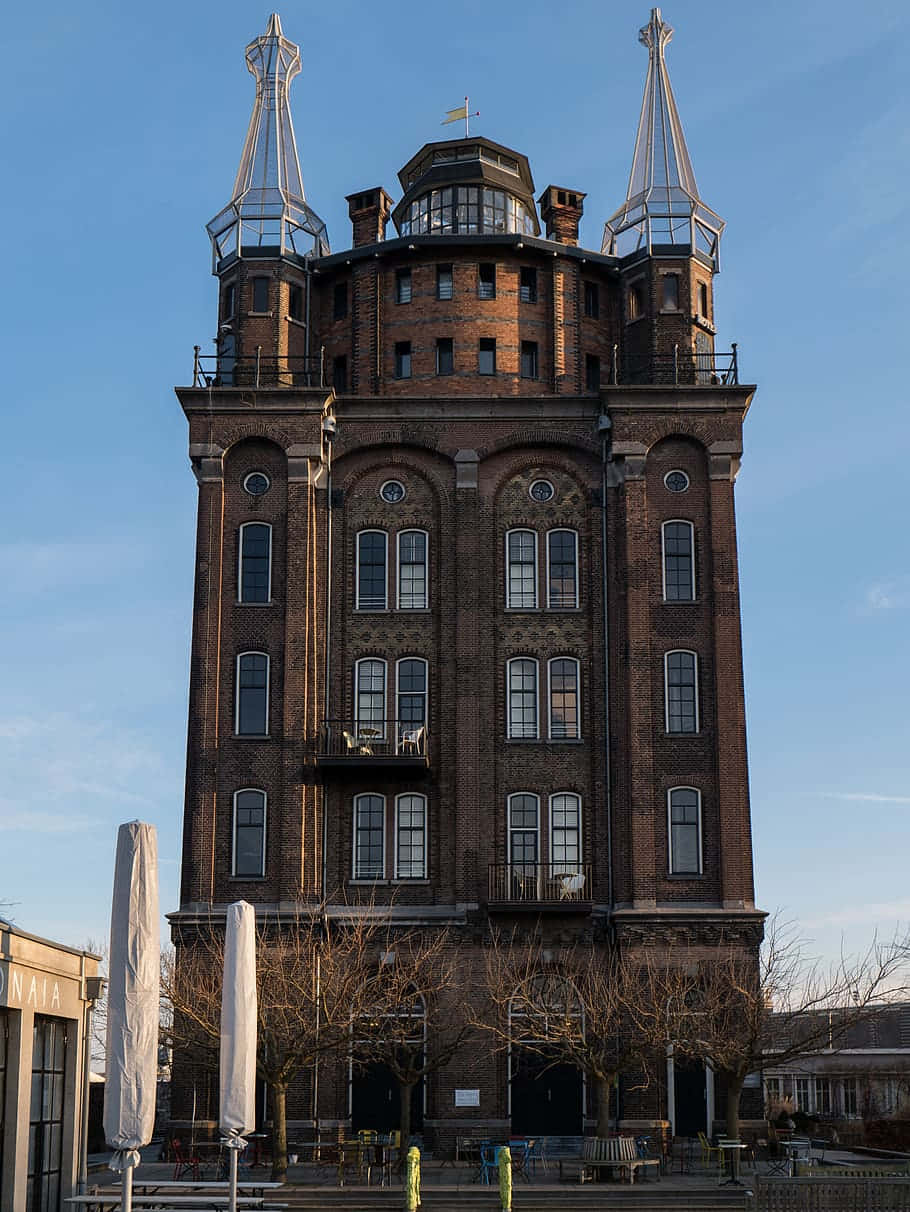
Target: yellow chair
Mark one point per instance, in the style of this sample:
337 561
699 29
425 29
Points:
710 1152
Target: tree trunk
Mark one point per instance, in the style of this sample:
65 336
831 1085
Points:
604 1085
734 1091
405 1093
278 1093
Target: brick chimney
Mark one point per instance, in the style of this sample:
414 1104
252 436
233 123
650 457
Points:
369 211
561 211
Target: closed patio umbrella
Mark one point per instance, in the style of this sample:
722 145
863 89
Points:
238 1035
132 1005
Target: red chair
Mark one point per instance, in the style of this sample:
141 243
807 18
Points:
186 1163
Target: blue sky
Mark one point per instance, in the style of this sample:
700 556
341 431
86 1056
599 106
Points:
122 129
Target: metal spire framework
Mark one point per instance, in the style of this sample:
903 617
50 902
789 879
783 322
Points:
268 214
662 205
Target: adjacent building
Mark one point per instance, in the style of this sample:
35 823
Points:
466 625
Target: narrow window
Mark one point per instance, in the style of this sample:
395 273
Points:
260 294
486 281
529 359
486 356
522 687
592 372
228 301
410 837
340 374
772 1097
685 830
372 582
565 834
670 292
823 1096
564 699
255 562
527 286
402 359
369 837
636 301
521 570
801 1092
411 707
295 302
850 1099
252 714
445 356
681 683
340 300
249 833
524 833
412 570
703 300
562 569
403 286
592 300
370 696
445 282
679 561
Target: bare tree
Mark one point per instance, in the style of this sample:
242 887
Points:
780 1004
415 1017
605 1013
310 976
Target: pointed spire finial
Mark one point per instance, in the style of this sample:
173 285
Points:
662 203
268 208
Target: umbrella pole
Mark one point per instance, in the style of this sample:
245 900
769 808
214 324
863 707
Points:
232 1190
126 1202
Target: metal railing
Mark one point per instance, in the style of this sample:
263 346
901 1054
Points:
227 370
681 368
547 883
361 740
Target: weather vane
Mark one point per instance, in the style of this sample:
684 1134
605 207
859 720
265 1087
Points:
455 115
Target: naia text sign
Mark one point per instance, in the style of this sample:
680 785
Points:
24 988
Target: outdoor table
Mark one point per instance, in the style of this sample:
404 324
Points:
734 1147
152 1186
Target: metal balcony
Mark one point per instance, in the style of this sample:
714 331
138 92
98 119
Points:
541 887
226 370
679 369
358 745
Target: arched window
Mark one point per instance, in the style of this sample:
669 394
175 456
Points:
249 833
562 569
252 705
540 999
369 837
411 706
412 570
681 691
254 581
678 542
521 690
564 699
369 694
524 833
372 578
410 837
521 570
684 825
565 834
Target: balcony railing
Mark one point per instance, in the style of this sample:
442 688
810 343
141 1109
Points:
374 742
532 885
226 370
679 369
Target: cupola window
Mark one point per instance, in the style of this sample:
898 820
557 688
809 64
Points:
467 210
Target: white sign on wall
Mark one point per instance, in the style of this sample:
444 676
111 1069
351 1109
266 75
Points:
467 1098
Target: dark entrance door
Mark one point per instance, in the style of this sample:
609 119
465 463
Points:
45 1137
375 1102
690 1098
545 1101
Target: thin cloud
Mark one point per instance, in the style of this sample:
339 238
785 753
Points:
890 594
885 913
864 797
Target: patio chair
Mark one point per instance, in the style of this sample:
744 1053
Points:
185 1162
571 886
489 1163
520 1149
710 1154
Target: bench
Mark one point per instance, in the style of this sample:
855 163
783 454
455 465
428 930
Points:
608 1153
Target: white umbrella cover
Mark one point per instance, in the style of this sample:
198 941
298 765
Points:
132 1005
238 1033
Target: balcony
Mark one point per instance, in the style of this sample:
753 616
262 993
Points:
227 370
679 369
353 745
540 887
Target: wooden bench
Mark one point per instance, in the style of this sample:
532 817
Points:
608 1153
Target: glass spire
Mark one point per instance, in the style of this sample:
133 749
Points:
662 205
268 214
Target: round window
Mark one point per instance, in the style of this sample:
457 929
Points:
256 483
392 491
676 481
542 490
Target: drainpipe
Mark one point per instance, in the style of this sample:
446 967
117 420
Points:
328 437
604 426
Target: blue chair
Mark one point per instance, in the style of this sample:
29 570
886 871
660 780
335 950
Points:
489 1163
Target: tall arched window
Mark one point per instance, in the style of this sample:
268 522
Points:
252 698
681 691
369 837
254 581
249 833
562 569
678 541
411 706
369 694
522 698
565 833
564 699
521 570
410 837
524 832
412 570
372 577
684 826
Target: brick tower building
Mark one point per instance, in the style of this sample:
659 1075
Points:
466 628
